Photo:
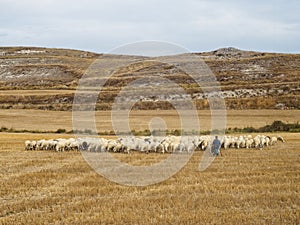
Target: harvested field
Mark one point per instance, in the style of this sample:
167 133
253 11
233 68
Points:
41 120
241 187
244 186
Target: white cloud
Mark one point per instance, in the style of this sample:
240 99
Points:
100 25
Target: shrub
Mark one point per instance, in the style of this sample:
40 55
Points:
60 131
280 126
3 129
249 130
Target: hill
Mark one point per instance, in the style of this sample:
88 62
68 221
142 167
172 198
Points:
43 78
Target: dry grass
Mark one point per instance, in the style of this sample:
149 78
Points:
242 187
139 120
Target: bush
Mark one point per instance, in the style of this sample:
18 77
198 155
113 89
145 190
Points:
276 126
60 131
3 129
249 130
280 126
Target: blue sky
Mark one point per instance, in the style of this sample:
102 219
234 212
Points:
198 25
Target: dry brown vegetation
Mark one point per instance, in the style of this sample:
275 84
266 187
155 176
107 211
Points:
242 187
250 80
245 186
40 120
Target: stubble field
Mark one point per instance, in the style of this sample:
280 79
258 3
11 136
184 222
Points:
244 186
41 120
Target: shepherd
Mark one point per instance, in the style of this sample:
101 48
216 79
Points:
216 145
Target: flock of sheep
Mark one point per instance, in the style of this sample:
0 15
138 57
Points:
148 144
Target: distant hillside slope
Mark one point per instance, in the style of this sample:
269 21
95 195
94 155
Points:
42 78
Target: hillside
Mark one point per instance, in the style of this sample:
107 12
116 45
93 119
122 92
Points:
42 78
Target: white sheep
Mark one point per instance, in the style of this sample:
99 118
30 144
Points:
27 145
61 146
148 144
275 139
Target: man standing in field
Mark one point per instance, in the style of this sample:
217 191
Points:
215 148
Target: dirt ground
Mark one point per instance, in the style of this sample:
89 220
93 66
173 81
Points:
245 186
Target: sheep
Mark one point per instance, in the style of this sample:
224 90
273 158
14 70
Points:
33 145
267 140
260 141
74 145
147 144
165 145
39 144
30 145
249 142
280 139
27 145
82 144
191 145
128 144
61 146
44 145
203 145
257 141
240 142
52 144
110 145
275 139
92 147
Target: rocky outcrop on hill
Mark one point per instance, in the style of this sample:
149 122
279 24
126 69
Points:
42 78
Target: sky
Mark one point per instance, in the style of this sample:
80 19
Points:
197 25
